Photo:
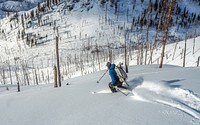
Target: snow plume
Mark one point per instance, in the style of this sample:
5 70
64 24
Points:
153 87
172 96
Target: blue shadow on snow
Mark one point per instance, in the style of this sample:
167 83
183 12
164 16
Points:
173 83
135 82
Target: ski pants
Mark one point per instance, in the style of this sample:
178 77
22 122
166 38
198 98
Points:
118 84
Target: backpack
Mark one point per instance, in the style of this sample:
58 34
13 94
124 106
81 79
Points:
121 73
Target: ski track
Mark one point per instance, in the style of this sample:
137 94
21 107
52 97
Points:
178 106
178 98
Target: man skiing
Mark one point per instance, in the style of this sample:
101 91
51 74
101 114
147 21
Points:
115 79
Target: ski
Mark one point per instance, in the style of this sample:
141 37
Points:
119 89
122 89
122 92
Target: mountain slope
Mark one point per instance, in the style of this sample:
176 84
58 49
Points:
160 96
89 36
18 5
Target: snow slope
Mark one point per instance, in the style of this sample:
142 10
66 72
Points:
81 32
174 53
159 96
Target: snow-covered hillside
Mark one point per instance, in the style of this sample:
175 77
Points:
158 97
89 36
17 6
91 33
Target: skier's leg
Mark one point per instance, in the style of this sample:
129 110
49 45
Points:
119 84
112 87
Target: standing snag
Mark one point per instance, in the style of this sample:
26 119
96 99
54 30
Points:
166 27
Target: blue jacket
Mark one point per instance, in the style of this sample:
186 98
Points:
113 74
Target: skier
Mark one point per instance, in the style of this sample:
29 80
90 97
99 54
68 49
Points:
113 75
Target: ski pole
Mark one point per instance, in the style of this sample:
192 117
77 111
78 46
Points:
126 82
121 91
102 76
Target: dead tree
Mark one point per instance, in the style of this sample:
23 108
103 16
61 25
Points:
138 49
185 51
18 87
125 51
16 74
36 78
198 61
110 53
48 76
147 32
3 76
166 28
55 77
194 42
157 29
57 61
97 52
10 72
153 47
26 73
174 50
142 53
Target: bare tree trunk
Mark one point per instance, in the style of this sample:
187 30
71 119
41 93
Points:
174 50
23 73
36 78
147 33
130 52
27 78
26 73
142 53
147 46
16 75
43 76
18 87
162 14
198 61
194 42
33 77
126 66
98 58
10 72
138 50
157 29
93 62
55 77
132 24
48 76
4 77
154 46
167 21
138 55
182 53
185 51
58 65
110 53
